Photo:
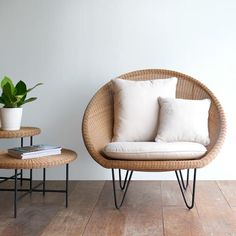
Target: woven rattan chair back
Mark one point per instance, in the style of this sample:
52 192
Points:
97 125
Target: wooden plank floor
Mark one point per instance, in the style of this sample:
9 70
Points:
151 208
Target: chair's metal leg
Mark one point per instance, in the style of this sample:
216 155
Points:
184 184
125 180
15 194
189 206
125 190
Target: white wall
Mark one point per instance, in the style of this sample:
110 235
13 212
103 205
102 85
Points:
75 46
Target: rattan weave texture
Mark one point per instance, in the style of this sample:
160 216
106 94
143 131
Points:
8 162
23 132
97 127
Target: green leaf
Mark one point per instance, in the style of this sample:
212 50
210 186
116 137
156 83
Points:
6 80
20 103
19 97
8 93
2 100
29 100
20 89
7 102
34 87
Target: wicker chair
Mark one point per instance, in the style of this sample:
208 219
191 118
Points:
97 131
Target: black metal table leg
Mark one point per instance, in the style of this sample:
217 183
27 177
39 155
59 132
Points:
31 140
15 194
44 178
31 171
31 176
67 177
21 171
21 177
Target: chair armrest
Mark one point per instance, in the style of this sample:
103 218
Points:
97 125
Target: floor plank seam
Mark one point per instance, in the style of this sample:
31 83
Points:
223 195
93 208
197 210
162 210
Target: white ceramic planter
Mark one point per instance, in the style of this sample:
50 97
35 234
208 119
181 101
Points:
11 118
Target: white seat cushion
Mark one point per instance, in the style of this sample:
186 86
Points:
154 150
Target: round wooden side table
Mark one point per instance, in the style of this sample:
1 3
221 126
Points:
22 133
8 162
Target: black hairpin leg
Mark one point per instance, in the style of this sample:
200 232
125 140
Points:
184 187
184 184
126 186
125 180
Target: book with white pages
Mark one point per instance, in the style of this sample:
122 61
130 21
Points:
34 151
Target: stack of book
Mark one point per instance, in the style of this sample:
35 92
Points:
34 151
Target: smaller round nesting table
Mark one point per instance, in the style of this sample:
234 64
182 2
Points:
8 162
21 133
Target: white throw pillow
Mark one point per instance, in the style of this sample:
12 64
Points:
183 120
136 108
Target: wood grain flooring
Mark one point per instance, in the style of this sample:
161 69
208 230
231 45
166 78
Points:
152 208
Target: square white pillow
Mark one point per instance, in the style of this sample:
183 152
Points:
183 120
136 108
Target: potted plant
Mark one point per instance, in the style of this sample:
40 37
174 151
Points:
12 98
